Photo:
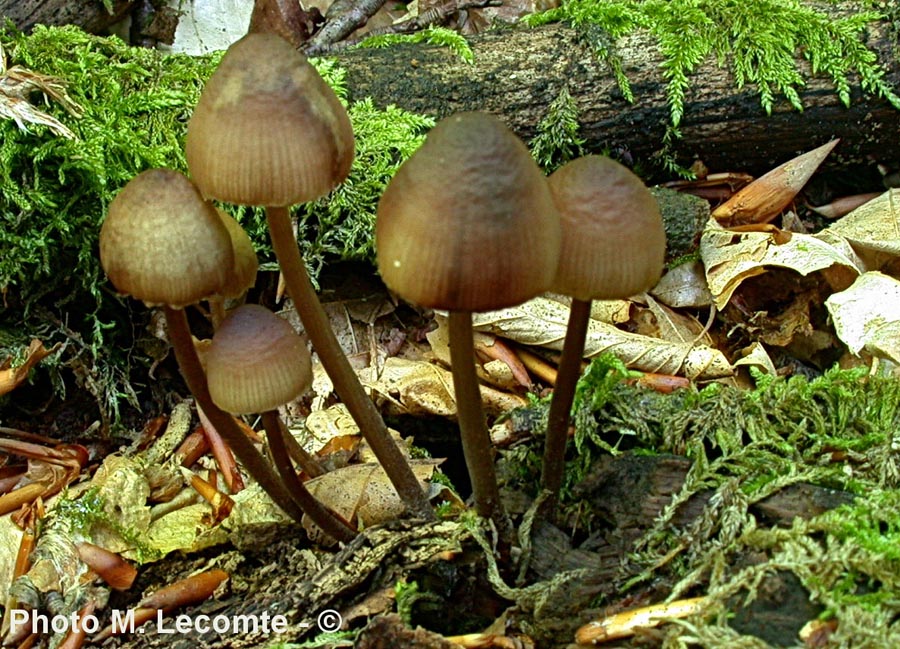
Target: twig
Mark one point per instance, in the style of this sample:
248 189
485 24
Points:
342 19
435 16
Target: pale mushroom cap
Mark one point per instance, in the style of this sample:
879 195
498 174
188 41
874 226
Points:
267 129
243 274
162 243
613 241
256 362
468 223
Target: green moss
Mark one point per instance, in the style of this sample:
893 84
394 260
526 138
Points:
54 193
557 140
760 42
440 36
837 431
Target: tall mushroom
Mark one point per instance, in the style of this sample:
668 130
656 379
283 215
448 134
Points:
256 362
269 131
163 244
613 246
468 224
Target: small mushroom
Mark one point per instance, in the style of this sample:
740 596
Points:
468 224
269 131
613 246
163 244
256 362
243 271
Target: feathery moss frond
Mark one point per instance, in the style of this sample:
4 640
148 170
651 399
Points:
760 41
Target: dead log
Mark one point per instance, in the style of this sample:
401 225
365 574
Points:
518 72
90 15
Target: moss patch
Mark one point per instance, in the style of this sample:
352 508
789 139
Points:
838 431
54 192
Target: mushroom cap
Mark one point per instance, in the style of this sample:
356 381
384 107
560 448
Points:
243 273
256 362
162 243
468 223
613 241
267 129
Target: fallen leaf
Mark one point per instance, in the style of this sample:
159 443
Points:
542 322
873 229
732 257
867 315
12 377
756 356
420 388
683 287
764 198
363 492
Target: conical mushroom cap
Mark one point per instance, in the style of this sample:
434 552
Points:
162 243
243 274
256 362
468 223
613 241
267 129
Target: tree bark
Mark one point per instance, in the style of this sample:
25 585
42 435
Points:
90 15
518 72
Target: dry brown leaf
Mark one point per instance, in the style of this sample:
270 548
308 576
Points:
764 198
363 492
732 257
543 322
683 286
867 315
12 377
843 205
756 356
420 388
873 229
676 327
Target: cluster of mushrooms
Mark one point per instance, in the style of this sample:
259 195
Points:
468 223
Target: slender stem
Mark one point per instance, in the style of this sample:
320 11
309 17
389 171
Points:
306 461
330 523
346 384
561 404
180 337
222 454
476 439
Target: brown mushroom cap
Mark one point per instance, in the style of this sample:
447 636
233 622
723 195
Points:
267 129
468 223
243 274
162 243
256 362
613 241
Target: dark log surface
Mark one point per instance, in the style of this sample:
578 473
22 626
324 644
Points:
518 72
90 15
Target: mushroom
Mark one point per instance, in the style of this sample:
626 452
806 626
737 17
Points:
243 271
256 362
163 244
468 224
268 131
613 246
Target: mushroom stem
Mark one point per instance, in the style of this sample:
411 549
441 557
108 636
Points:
186 354
327 520
476 439
306 461
346 384
561 403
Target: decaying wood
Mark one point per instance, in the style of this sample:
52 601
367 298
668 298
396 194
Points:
628 491
277 577
518 72
90 15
